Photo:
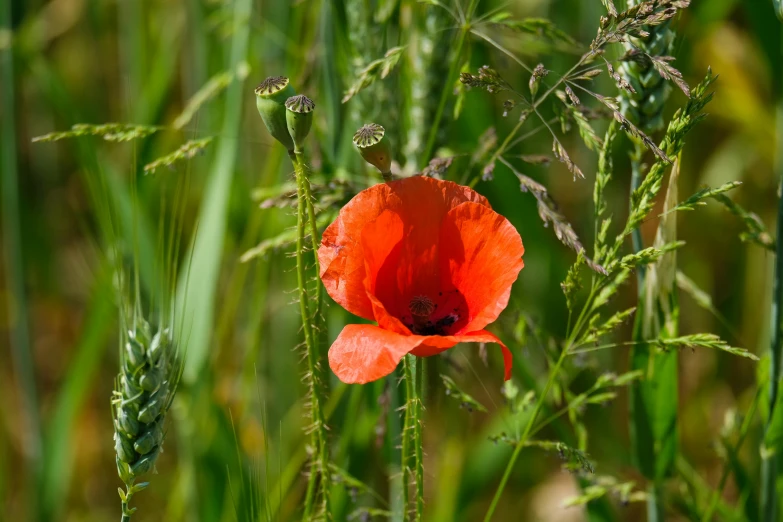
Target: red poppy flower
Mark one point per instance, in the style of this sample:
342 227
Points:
429 260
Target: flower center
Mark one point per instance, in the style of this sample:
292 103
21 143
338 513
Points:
421 306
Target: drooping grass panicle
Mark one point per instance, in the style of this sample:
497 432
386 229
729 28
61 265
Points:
549 213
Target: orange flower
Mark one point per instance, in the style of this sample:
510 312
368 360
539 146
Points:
429 260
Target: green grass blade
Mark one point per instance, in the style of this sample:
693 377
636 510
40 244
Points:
770 468
654 432
14 269
198 302
59 436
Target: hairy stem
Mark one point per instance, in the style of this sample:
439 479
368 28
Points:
314 241
418 442
406 439
319 475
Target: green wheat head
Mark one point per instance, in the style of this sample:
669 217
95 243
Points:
143 393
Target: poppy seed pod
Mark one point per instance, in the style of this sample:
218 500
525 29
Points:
270 101
375 150
299 118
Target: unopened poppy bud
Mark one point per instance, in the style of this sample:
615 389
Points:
270 101
375 150
299 118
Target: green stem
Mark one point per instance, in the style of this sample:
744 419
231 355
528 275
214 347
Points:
636 180
746 423
406 442
769 465
525 435
304 171
304 310
418 442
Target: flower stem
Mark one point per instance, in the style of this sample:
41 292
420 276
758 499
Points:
417 437
319 474
406 439
304 170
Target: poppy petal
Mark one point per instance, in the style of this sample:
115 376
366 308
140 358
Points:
434 345
381 242
481 256
418 200
363 353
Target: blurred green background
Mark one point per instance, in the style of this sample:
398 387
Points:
140 61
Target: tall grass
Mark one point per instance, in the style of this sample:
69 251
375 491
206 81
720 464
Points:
16 299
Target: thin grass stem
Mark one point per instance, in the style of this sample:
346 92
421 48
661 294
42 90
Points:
769 464
717 492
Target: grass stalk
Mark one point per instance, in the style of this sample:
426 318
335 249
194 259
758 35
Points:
769 463
636 180
717 492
